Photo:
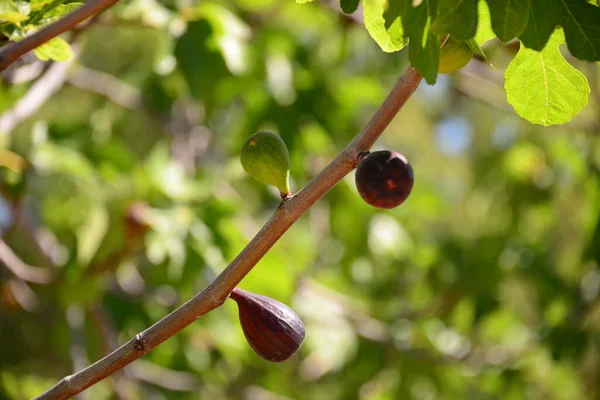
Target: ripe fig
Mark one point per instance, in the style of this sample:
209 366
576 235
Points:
265 157
384 179
272 329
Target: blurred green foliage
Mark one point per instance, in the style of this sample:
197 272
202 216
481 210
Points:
127 183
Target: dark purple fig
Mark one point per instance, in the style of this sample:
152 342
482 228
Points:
384 178
273 329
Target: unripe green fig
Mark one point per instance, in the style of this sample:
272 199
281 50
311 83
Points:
272 329
265 157
384 179
454 55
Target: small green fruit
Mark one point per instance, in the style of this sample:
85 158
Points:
265 157
454 55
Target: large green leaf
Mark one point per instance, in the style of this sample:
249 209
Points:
391 39
457 18
423 45
542 87
541 24
416 21
509 17
581 23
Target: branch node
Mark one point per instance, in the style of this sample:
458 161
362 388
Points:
286 196
140 342
69 381
351 158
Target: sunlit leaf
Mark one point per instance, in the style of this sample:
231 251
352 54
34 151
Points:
12 17
484 27
391 39
38 4
542 87
62 9
10 12
56 49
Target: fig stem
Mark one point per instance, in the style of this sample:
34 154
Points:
286 196
363 154
220 289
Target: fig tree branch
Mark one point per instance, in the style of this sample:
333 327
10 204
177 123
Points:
11 52
217 292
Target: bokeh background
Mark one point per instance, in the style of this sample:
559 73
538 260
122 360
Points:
122 195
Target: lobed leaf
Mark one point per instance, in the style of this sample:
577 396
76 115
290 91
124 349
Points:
542 87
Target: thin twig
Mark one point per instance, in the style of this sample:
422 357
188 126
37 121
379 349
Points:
36 97
53 78
104 84
11 52
23 295
23 271
217 292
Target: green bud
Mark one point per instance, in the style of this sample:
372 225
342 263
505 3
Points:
265 157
